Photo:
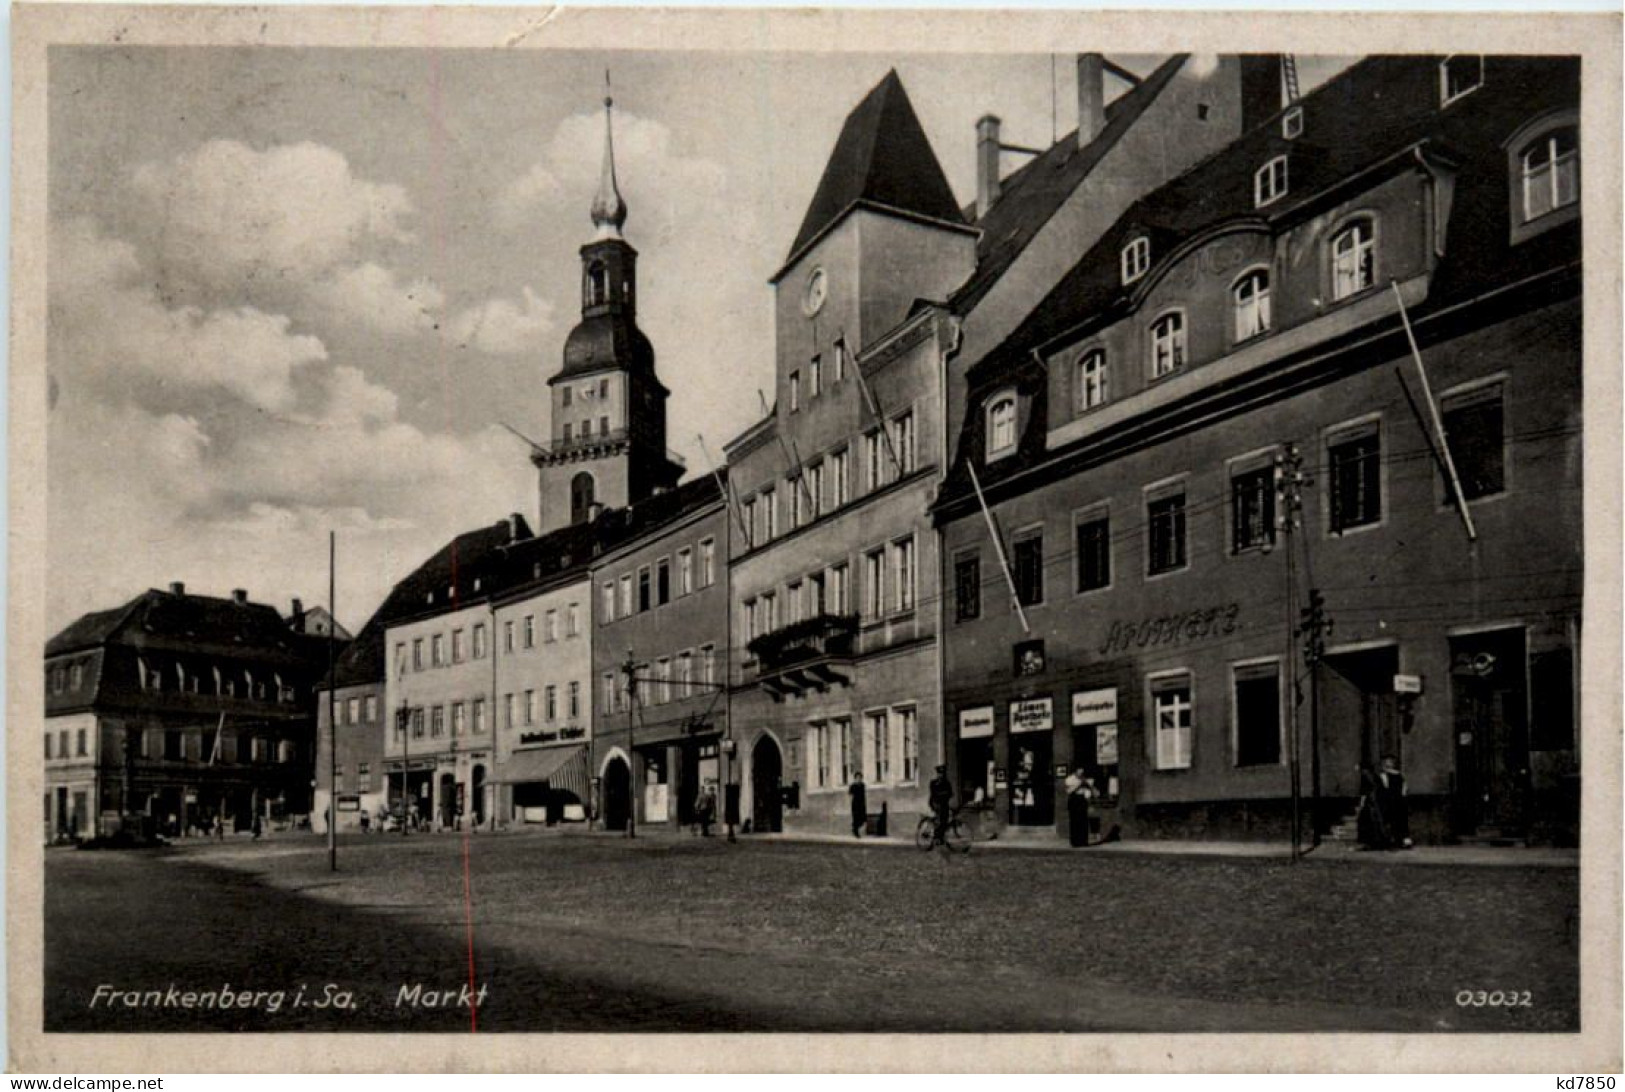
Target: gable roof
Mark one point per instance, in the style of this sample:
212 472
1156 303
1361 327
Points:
189 622
881 159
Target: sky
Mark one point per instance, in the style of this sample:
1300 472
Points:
295 291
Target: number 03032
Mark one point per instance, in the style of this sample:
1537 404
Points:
1495 999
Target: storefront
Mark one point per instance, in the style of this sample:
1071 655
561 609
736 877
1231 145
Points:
547 784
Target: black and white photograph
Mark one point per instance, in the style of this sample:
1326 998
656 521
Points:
646 522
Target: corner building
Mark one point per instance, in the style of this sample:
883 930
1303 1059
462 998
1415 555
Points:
1136 438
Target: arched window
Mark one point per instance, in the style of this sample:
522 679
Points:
1167 344
1550 169
597 284
1001 425
1092 387
1353 259
1250 298
581 497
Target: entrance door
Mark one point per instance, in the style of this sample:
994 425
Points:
1358 719
1489 702
448 798
766 777
617 794
975 770
479 795
1032 780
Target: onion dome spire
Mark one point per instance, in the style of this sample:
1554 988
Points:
608 209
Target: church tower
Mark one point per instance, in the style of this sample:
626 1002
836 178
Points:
608 441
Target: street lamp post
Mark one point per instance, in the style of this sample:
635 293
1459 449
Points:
403 717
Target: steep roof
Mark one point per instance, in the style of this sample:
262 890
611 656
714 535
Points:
190 622
1032 194
90 630
883 159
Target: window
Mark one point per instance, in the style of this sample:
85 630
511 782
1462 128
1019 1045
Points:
607 700
626 596
848 755
1459 74
1167 344
1474 427
550 626
1252 508
817 595
530 707
1250 301
815 490
479 641
417 723
643 589
437 721
575 701
815 377
873 461
684 675
459 719
572 619
1257 707
708 562
770 515
370 708
1171 713
1091 390
840 361
479 716
1094 550
840 600
909 732
967 588
352 711
1001 425
660 692
569 392
797 488
662 582
1269 182
876 757
1353 260
1292 123
530 631
417 654
606 602
1165 521
748 517
874 567
903 441
603 389
792 602
1136 259
569 429
818 755
839 483
507 711
48 744
685 571
795 391
752 627
603 425
902 573
81 743
363 776
76 676
586 428
1354 465
550 702
507 636
708 665
1550 167
1027 557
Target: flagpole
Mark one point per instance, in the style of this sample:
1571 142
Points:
332 719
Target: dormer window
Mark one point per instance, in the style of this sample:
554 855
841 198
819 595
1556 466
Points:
1001 425
1292 123
1136 259
1269 183
1250 300
1353 259
1092 389
1460 74
1550 168
1167 344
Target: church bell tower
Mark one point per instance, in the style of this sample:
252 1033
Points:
607 447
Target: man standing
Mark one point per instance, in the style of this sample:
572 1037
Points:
860 804
1078 793
941 799
1392 806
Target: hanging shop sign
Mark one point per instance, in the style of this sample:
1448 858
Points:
1407 684
1032 715
1095 706
1181 627
976 723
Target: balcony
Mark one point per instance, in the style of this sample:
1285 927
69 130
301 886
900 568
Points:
805 655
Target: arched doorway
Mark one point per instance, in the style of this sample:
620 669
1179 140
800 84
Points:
448 798
617 793
479 795
766 775
582 492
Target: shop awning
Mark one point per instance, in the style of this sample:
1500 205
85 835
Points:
561 767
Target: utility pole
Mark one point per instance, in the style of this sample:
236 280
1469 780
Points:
403 717
629 669
1289 483
332 719
1315 628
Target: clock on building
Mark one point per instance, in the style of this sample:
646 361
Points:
817 289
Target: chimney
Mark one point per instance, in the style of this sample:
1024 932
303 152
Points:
1091 97
987 163
177 589
298 608
513 526
239 595
1261 94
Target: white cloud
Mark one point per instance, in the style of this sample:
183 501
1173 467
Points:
536 190
372 295
225 209
503 325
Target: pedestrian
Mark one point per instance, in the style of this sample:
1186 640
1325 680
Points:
1392 806
940 795
219 827
366 821
259 826
860 804
706 811
1079 791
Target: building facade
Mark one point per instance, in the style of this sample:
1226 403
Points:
661 609
1230 554
176 708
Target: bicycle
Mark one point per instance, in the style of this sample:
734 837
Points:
954 836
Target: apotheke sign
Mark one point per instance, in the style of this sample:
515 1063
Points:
1034 715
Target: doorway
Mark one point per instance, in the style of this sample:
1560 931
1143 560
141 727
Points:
1489 707
1359 720
1032 786
479 795
617 794
766 779
448 799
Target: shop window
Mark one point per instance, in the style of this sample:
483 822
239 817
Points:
1171 714
1001 426
1257 709
1474 427
1250 304
1092 389
1460 74
967 589
1549 167
1354 467
1353 259
1252 508
1165 523
1269 182
1094 552
1028 555
1167 344
1136 259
